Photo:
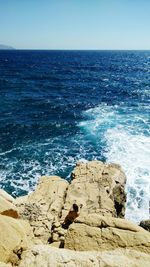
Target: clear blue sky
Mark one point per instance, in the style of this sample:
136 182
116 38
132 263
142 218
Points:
75 24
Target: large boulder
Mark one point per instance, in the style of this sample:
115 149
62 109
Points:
102 233
47 256
99 187
43 206
15 236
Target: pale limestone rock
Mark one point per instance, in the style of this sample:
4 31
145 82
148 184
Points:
104 221
58 229
43 206
56 224
49 256
50 193
12 236
56 244
55 237
7 208
102 233
2 264
39 231
5 195
99 187
20 202
61 232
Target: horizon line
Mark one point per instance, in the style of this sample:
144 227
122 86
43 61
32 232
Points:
74 49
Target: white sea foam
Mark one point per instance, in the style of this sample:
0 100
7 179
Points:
7 152
125 133
132 152
121 134
42 158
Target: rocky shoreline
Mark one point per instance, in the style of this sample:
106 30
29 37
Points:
31 226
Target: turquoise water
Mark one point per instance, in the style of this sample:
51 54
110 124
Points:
57 107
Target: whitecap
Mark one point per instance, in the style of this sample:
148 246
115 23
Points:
125 132
132 152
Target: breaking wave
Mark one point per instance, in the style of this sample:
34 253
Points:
126 134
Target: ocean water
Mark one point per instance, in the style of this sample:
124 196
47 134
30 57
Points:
58 107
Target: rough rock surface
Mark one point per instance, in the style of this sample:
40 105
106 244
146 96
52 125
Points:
2 264
101 233
5 195
145 224
13 238
44 205
47 256
7 208
99 187
57 234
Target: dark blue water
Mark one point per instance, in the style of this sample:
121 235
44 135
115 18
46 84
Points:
57 107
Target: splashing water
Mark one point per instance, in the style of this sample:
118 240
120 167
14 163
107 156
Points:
125 132
57 107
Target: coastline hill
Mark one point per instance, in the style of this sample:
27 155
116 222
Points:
6 47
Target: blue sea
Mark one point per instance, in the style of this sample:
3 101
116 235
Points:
58 107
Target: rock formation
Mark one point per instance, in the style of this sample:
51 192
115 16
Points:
99 187
6 196
100 236
46 256
14 238
7 208
44 206
101 233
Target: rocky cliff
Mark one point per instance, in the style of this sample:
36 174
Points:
32 232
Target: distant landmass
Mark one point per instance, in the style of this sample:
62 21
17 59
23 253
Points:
6 47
